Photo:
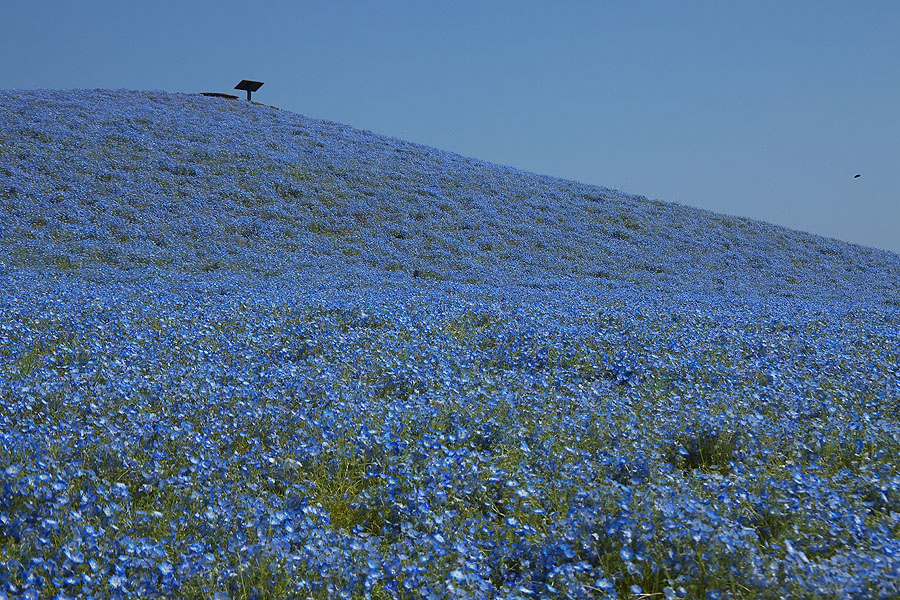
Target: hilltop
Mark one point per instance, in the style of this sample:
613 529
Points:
188 183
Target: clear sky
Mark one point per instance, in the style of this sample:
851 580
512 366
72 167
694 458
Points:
761 108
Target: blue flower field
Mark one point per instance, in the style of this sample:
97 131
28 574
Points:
247 354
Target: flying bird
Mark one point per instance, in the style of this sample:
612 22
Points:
856 176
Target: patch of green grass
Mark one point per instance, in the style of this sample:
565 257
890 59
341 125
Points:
33 359
320 228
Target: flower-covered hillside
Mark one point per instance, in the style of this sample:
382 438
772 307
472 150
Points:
193 183
222 377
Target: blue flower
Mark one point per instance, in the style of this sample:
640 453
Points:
73 555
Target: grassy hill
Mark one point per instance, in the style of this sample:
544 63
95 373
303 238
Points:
249 354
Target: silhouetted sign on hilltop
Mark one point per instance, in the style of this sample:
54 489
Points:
250 86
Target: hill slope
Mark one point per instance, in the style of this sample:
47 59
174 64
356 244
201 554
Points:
192 183
221 376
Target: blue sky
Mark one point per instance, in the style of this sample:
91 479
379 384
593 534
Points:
761 109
